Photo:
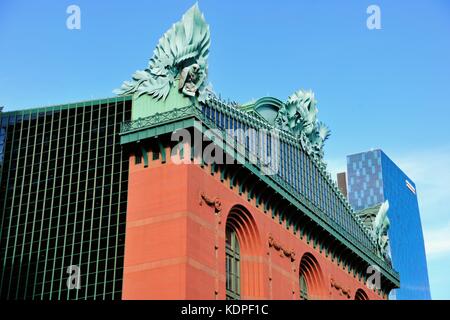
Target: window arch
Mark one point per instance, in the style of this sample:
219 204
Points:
243 251
311 281
361 295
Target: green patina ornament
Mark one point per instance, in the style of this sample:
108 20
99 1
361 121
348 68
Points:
177 72
299 117
376 219
179 62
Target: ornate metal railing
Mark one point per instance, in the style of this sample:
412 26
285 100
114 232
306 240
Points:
156 119
286 137
369 245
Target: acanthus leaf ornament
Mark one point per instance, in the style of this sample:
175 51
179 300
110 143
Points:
377 220
342 291
299 117
284 252
181 55
380 229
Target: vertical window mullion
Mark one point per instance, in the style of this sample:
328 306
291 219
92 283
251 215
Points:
85 196
118 213
61 281
28 212
7 188
78 190
12 209
61 193
92 215
20 212
101 202
110 198
52 204
232 265
44 203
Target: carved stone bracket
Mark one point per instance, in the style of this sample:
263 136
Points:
289 253
342 291
211 202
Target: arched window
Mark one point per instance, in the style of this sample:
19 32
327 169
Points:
243 251
303 287
233 268
361 295
311 281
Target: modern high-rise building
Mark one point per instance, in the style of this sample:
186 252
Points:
374 178
168 192
63 199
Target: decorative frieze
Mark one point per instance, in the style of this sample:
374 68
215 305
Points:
289 253
211 202
342 291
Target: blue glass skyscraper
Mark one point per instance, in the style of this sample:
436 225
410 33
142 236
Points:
374 178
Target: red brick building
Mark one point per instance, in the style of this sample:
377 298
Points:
206 219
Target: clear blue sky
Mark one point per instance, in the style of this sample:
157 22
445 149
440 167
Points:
387 88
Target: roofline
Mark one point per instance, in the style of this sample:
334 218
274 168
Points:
70 105
387 157
263 100
362 152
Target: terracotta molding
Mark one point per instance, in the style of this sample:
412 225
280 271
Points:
289 253
171 262
326 250
172 216
280 270
342 291
211 202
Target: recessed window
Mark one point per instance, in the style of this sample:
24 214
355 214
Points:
233 258
303 287
137 159
155 155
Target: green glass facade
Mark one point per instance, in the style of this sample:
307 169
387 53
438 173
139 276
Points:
63 194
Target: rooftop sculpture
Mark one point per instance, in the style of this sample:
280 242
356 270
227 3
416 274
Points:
377 220
180 57
299 117
179 63
175 80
